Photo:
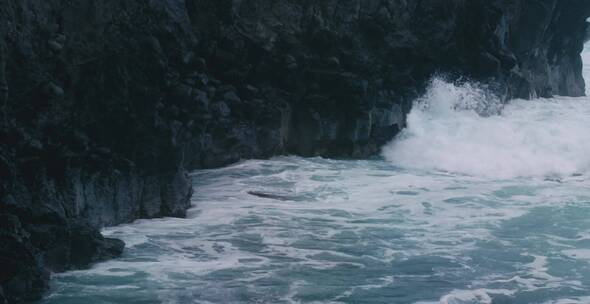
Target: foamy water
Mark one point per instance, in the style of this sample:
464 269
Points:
542 137
463 208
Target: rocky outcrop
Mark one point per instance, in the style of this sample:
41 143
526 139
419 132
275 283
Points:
49 223
105 104
546 38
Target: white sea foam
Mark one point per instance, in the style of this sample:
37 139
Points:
446 132
582 254
478 296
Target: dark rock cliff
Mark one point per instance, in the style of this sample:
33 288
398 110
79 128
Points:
104 104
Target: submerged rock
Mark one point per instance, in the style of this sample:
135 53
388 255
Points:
274 196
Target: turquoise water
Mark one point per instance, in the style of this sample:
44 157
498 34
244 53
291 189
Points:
472 203
352 232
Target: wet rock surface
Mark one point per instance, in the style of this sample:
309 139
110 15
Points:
104 105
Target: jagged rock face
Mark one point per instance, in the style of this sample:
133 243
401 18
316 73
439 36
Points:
546 37
104 104
345 72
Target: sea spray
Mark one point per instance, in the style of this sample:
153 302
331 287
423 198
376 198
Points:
465 129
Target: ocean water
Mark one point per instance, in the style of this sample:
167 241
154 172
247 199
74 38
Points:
472 203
